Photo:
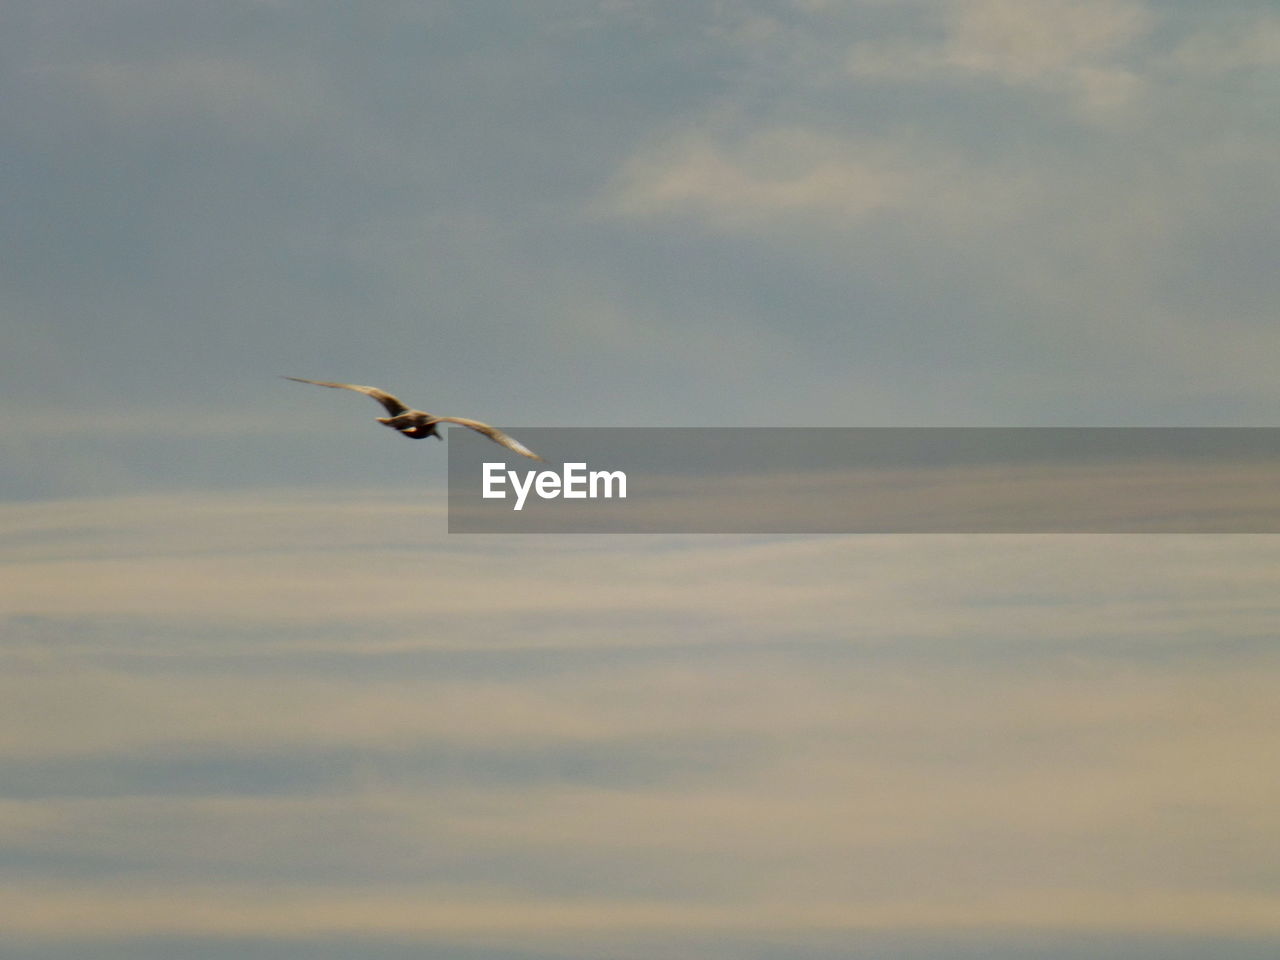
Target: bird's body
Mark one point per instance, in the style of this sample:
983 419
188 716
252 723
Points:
418 424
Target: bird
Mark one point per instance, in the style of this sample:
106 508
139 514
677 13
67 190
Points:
418 424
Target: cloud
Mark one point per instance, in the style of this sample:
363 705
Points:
236 92
311 567
1108 61
805 185
1060 47
971 209
774 173
308 718
268 717
211 197
1253 44
431 912
1028 40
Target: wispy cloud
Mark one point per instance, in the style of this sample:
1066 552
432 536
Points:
774 173
432 912
1038 234
246 702
1242 43
1073 50
236 92
305 720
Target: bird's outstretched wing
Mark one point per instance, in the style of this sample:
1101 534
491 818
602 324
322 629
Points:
392 404
494 434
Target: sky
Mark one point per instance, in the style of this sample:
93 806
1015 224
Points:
257 702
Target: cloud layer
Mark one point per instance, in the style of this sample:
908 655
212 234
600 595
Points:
267 720
255 703
937 213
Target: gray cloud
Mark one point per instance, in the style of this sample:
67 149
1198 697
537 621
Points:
246 698
256 704
208 198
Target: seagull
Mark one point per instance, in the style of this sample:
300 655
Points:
418 424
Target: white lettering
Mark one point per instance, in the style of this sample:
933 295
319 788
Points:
573 473
522 491
548 485
575 483
493 475
609 476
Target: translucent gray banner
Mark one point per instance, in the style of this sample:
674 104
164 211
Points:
868 480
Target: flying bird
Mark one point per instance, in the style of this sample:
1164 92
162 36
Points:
418 424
